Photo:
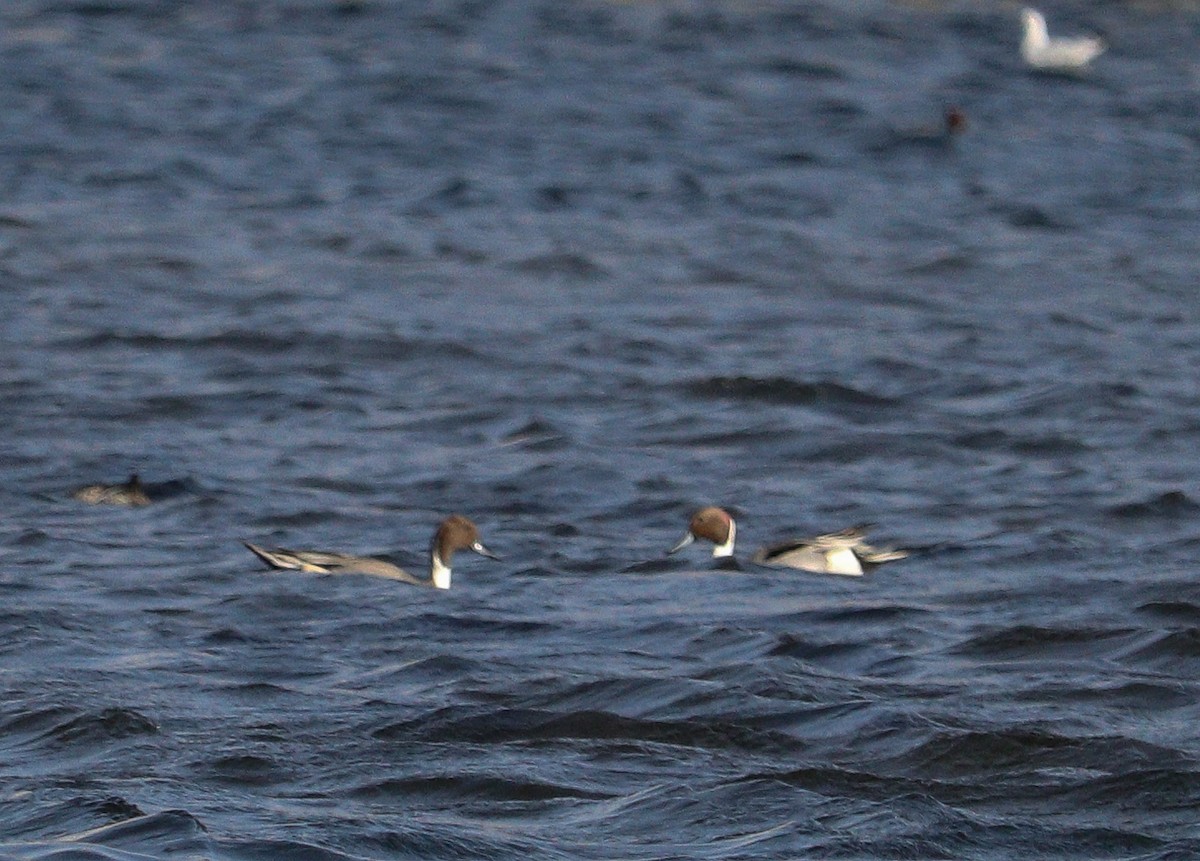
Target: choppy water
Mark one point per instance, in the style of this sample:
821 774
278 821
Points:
323 273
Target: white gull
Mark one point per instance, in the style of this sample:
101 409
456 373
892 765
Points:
1042 52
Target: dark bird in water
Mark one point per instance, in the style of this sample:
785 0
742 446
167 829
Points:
131 493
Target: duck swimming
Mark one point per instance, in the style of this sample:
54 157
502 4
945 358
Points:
711 524
131 493
455 533
846 552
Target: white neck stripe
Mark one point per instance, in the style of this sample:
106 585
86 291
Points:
726 549
439 572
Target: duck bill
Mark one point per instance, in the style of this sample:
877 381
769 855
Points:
483 551
684 542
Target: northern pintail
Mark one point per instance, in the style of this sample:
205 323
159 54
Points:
131 493
455 533
712 524
844 552
1042 52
